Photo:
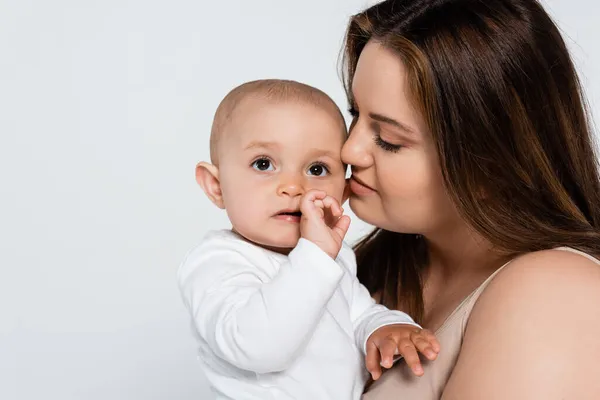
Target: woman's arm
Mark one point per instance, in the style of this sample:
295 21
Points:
534 333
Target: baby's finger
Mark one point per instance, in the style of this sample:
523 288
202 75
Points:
387 348
409 352
332 211
333 206
373 360
430 337
307 204
341 226
314 194
424 346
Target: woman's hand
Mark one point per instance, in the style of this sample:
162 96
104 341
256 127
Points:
323 222
400 339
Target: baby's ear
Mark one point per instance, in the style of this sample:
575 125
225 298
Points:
347 191
207 176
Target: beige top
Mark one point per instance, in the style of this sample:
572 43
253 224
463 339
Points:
400 383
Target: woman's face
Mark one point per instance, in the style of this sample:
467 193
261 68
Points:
397 183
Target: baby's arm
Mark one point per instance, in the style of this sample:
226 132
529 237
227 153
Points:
368 316
252 322
383 333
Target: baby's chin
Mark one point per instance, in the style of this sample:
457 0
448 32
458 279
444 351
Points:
277 241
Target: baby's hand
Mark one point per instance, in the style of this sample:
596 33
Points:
391 340
322 221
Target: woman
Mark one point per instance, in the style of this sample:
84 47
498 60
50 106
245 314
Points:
471 152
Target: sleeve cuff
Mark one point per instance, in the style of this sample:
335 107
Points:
398 317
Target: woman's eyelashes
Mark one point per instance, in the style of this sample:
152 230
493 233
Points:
264 164
394 148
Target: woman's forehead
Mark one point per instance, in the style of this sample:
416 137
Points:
379 70
380 88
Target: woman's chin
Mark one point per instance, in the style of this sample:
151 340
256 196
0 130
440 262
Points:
373 215
362 210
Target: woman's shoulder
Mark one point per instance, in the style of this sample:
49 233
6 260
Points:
553 272
549 278
536 323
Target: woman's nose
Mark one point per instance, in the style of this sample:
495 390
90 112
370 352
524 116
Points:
357 149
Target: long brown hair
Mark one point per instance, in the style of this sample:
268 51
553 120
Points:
499 91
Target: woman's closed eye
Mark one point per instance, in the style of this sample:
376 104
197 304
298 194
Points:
394 148
387 146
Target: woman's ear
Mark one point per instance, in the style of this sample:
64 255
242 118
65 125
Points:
207 176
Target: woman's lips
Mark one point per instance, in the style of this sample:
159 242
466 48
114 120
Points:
359 188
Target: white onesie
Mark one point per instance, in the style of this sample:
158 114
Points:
271 326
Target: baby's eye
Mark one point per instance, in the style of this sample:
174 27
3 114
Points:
318 169
262 164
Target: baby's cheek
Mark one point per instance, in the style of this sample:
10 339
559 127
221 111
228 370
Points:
333 187
241 199
245 214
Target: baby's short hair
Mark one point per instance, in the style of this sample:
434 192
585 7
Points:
270 90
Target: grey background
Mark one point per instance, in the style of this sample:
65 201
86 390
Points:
105 109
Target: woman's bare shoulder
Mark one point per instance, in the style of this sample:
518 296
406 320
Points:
548 276
533 333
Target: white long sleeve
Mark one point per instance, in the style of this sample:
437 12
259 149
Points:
367 316
271 326
253 316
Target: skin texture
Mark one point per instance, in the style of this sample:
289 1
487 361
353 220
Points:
534 332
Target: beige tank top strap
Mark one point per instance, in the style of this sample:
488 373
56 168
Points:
581 253
466 306
461 313
468 303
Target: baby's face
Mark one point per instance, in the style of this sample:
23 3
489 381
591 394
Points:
271 154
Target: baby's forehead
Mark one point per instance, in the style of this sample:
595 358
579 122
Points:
259 97
262 117
284 134
254 104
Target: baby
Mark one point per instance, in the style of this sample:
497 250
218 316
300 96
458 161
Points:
276 306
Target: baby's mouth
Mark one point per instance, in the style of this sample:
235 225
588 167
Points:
292 213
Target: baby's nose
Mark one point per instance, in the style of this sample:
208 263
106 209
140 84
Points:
291 187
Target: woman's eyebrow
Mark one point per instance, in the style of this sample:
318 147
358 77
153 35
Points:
393 122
